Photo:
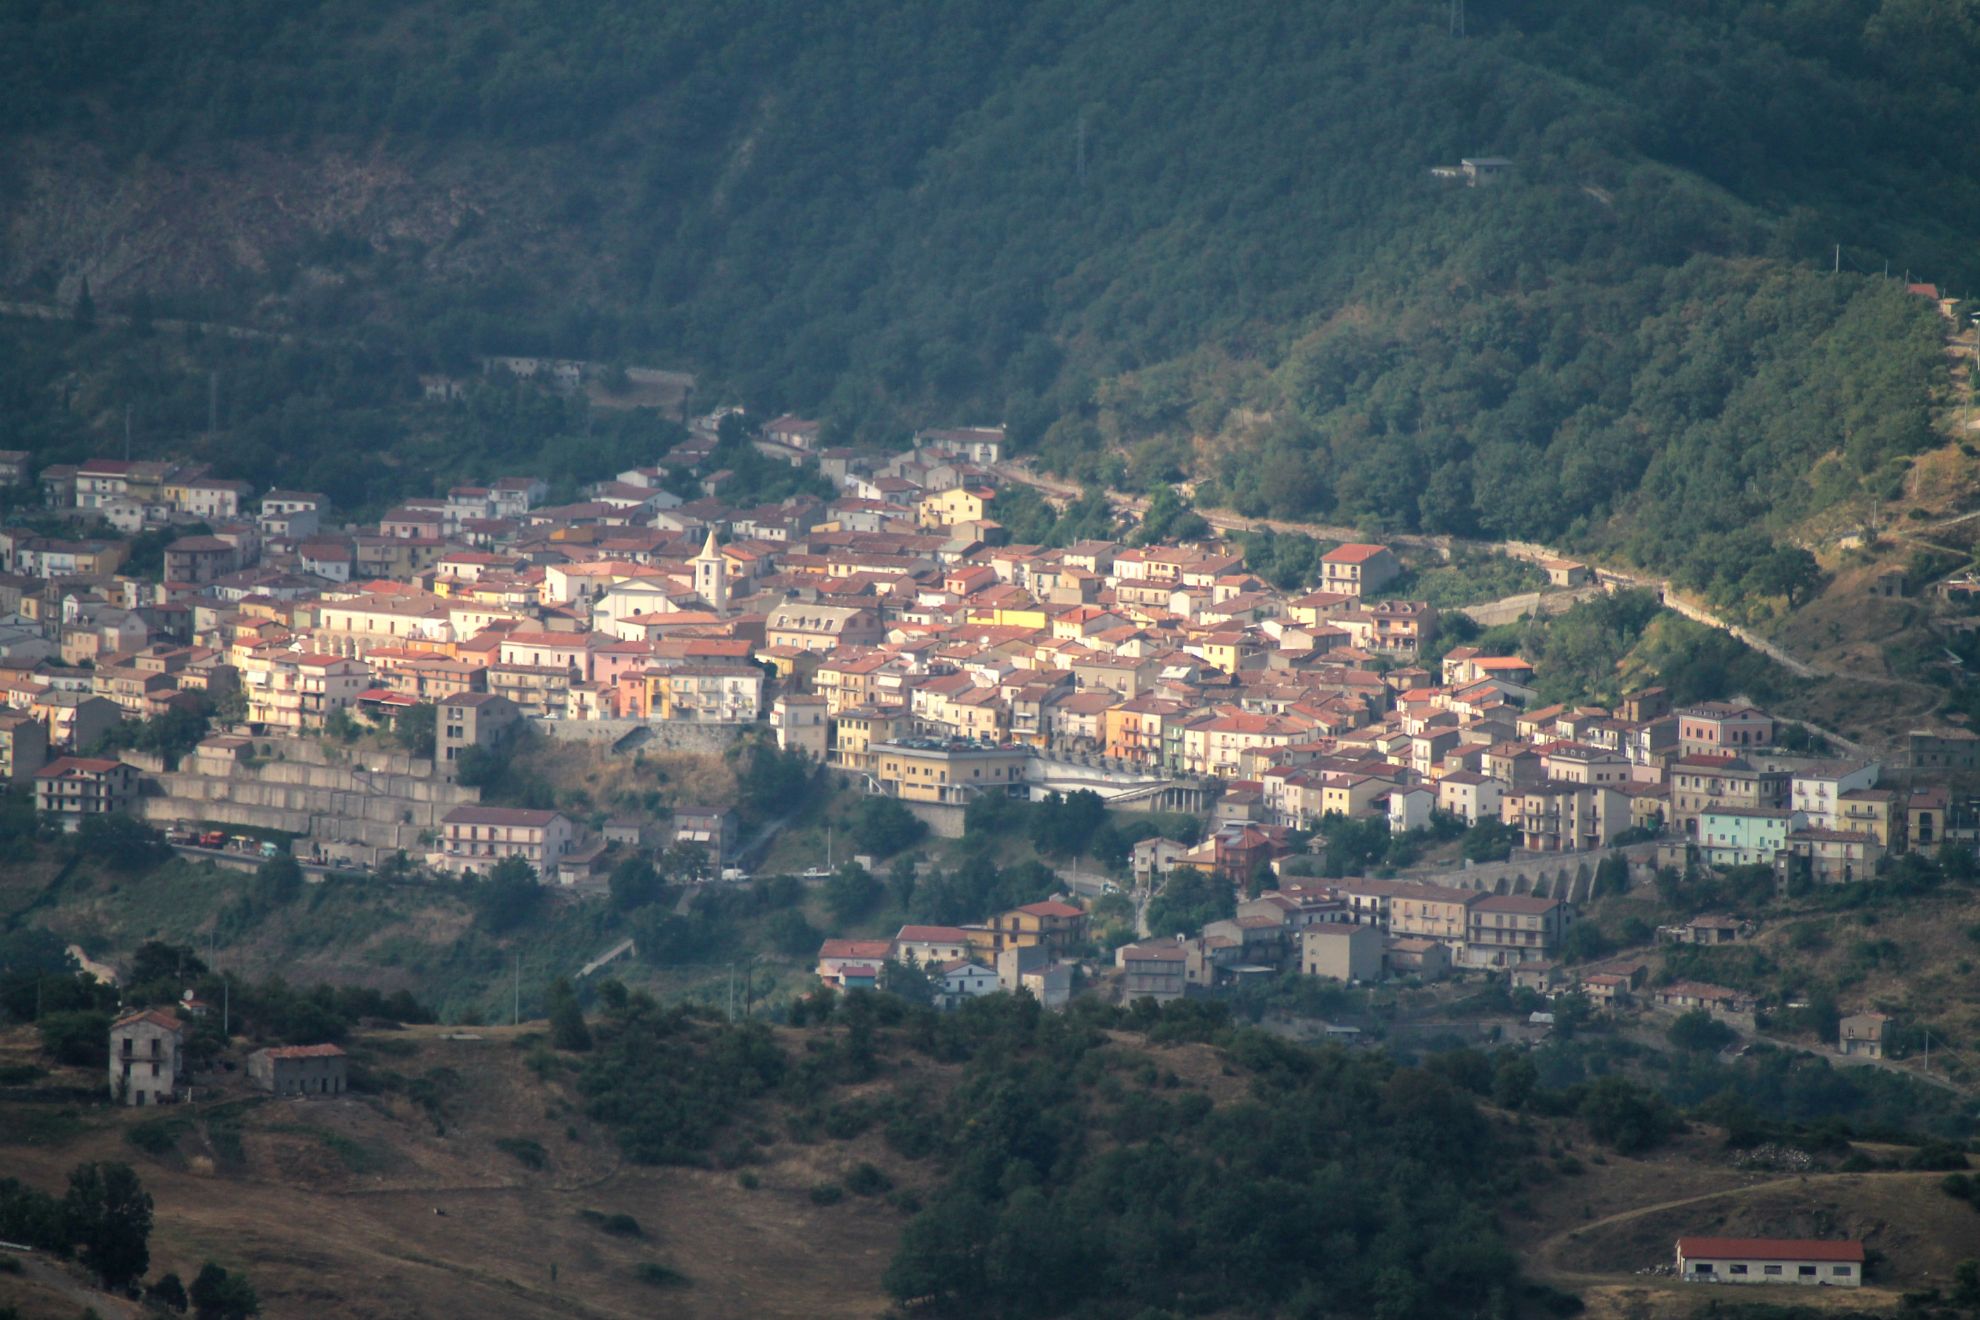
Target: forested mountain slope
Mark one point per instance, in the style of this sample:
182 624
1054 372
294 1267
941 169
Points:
1191 239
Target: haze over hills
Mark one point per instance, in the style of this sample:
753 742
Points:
1158 240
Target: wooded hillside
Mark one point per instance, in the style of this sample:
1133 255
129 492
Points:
1117 226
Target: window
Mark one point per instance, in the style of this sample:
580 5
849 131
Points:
1738 1269
1770 1269
1805 1271
1700 1267
1840 1271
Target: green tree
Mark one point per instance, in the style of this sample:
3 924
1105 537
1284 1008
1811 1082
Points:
850 893
217 1294
1585 941
913 984
790 934
634 883
1966 1284
122 842
1514 1081
882 826
1488 840
509 896
413 729
1625 1116
478 767
902 877
168 1293
108 1218
155 960
567 1026
79 1039
1189 900
278 881
1699 1032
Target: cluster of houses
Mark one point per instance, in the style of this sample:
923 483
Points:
892 631
1350 930
1032 948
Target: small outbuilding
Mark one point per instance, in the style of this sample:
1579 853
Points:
300 1070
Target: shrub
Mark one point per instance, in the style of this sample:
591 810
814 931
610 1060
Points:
527 1152
1936 1155
659 1275
1700 1032
621 1225
827 1194
866 1180
153 1136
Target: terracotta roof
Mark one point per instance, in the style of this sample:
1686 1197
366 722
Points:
302 1052
1697 1248
927 934
63 767
877 949
520 816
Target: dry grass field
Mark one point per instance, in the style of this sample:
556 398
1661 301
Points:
470 1183
366 1206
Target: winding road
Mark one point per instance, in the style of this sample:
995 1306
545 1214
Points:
1224 520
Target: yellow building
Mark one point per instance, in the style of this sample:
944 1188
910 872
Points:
1057 926
860 729
958 504
951 772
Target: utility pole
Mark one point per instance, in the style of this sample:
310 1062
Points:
1838 266
127 433
1457 18
213 401
515 1012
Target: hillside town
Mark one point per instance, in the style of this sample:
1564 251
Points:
894 634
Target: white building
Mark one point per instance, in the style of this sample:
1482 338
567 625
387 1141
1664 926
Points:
1818 789
147 1051
1770 1260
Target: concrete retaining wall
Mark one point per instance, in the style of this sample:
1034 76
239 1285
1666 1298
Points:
1563 875
943 820
660 735
375 799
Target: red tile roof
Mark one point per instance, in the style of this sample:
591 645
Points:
303 1052
879 950
1711 1248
